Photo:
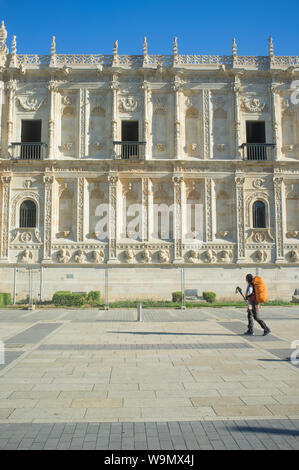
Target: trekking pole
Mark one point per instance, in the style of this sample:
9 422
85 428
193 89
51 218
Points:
239 290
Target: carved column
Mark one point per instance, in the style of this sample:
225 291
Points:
11 87
52 87
206 106
208 210
146 119
112 219
177 88
273 89
48 217
5 212
80 209
83 122
145 209
1 107
241 254
279 218
114 86
178 182
237 117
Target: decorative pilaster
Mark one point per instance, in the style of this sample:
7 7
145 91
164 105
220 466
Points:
114 86
11 87
145 209
206 106
80 209
48 217
146 120
240 180
1 114
52 87
112 219
209 209
177 88
279 218
6 182
274 91
83 123
178 182
237 117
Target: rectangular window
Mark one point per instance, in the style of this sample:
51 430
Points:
255 132
129 131
31 131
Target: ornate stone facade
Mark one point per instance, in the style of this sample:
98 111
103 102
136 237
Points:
192 114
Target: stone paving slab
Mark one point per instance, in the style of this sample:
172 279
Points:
238 328
10 356
116 347
226 435
34 334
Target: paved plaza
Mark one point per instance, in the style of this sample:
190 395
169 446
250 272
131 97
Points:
94 379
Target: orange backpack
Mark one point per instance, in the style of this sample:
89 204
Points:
260 289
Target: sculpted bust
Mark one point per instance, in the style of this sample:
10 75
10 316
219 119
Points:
63 256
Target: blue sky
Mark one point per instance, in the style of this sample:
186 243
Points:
201 27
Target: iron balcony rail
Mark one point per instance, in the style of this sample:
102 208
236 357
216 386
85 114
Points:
129 150
28 150
258 151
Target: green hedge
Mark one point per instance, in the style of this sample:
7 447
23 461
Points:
94 297
177 296
5 299
67 298
209 297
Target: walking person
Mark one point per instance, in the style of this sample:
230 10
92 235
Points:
253 308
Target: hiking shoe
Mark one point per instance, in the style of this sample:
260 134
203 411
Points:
266 332
249 333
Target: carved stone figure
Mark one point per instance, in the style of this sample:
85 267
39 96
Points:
146 256
163 256
97 256
225 256
80 257
192 256
260 256
63 256
209 256
294 257
129 255
26 256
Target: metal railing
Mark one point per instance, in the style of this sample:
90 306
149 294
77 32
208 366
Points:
258 151
28 150
129 150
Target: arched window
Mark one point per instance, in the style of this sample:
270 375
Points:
259 215
28 214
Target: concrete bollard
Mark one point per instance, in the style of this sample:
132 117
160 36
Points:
139 312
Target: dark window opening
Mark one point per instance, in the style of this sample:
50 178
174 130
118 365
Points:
31 134
31 131
27 214
129 131
259 215
255 132
256 136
